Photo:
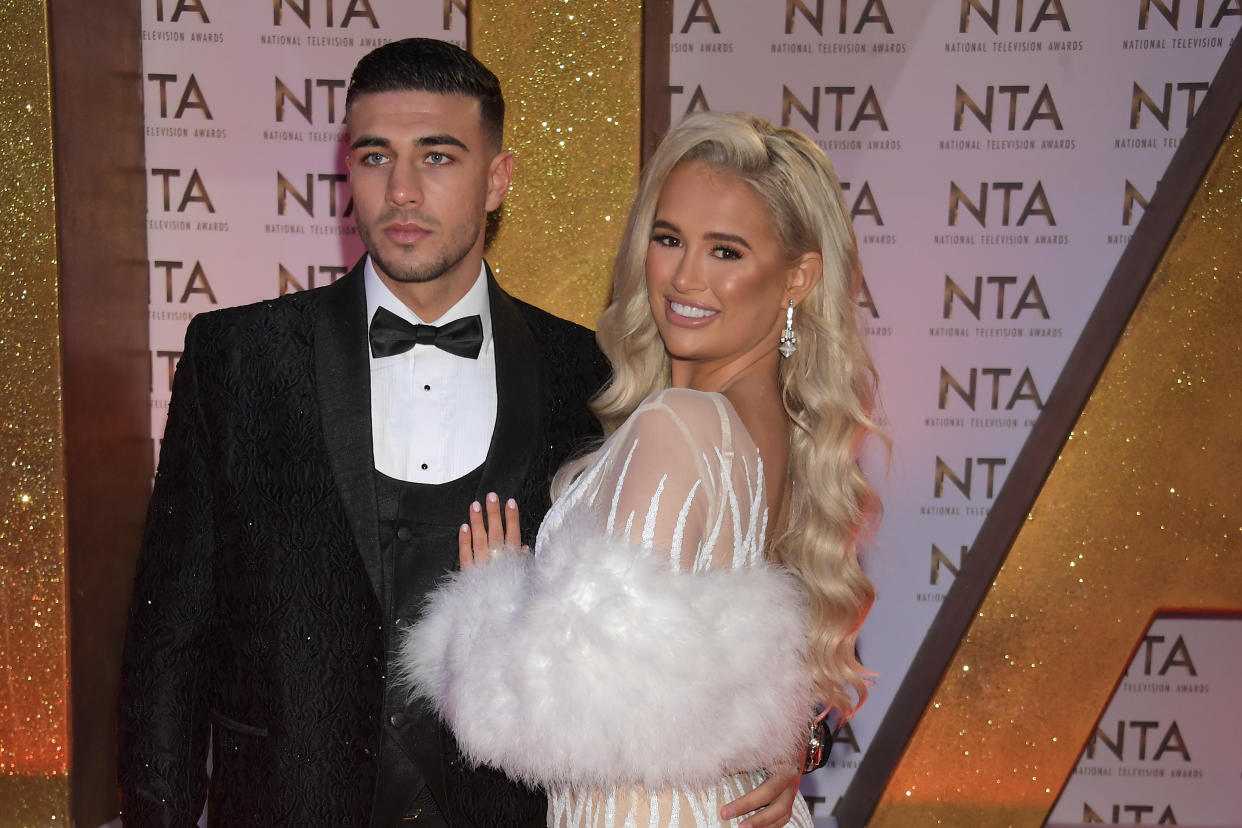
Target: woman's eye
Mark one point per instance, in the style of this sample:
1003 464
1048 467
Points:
724 252
665 240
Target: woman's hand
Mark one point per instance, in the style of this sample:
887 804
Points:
487 533
773 801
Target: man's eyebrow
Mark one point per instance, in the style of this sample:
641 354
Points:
369 141
425 141
441 141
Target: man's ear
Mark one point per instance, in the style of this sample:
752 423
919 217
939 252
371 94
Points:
499 176
803 276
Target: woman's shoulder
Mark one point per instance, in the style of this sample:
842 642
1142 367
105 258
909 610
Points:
705 418
685 405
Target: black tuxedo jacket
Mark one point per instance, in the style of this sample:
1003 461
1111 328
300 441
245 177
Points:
256 607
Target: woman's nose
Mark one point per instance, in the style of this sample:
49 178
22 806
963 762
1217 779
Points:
689 276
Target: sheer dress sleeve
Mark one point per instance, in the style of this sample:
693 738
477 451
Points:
681 477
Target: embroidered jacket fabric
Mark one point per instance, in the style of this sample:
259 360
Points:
646 665
255 630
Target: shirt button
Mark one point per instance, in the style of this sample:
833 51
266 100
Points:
426 387
404 533
424 467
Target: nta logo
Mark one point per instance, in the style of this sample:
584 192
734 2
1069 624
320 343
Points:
868 108
354 10
195 283
964 482
333 92
1140 99
940 559
1171 11
183 6
1131 197
1124 747
1031 298
1044 108
701 12
289 284
871 11
864 203
1090 815
1036 204
195 191
191 97
1169 656
306 198
1000 12
1014 392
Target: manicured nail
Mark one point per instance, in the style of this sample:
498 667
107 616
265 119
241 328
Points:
465 529
476 507
492 498
511 503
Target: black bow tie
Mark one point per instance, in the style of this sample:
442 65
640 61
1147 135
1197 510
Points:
392 335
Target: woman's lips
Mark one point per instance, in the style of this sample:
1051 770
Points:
687 314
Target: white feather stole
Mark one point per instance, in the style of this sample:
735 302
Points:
594 665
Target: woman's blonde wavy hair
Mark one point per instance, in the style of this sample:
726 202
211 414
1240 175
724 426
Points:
828 386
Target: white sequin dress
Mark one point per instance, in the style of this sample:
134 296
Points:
646 664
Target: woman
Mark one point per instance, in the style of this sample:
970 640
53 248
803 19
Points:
695 594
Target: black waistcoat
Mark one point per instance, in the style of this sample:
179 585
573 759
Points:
418 545
418 526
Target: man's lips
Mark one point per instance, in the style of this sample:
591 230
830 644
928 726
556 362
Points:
405 232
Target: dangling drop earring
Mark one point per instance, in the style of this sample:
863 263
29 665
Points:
789 339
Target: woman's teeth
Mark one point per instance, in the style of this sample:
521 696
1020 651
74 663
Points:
690 311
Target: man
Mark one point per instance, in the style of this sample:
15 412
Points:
320 451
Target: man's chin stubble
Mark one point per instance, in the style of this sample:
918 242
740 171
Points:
414 277
403 275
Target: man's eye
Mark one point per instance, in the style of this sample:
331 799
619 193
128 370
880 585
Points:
372 159
437 158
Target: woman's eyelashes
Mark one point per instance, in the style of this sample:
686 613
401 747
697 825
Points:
719 251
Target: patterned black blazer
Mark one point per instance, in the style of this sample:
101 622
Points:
255 615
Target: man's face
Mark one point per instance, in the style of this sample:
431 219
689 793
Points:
424 176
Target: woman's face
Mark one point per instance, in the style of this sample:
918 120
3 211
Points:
717 278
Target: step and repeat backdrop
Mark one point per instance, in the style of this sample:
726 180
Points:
247 194
996 154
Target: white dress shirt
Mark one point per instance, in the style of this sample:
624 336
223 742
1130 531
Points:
432 413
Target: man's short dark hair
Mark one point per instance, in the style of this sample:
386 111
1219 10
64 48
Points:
422 64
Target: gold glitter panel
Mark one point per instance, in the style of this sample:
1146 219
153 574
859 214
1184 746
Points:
34 734
572 77
1141 513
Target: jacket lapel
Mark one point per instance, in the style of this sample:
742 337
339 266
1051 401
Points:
343 382
520 394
